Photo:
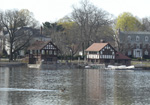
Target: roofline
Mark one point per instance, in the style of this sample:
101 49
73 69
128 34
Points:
135 32
103 47
124 55
51 43
96 43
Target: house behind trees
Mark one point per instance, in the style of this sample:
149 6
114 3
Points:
35 34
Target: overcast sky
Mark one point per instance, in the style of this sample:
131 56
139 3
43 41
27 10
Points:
53 10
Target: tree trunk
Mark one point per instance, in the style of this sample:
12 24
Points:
83 50
11 53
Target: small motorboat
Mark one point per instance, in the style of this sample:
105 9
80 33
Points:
122 67
34 65
87 67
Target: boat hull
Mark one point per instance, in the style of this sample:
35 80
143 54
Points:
122 67
34 65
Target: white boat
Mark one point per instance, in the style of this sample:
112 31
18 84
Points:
87 67
130 67
37 65
34 65
122 67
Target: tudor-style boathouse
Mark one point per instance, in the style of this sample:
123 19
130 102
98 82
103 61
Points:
44 51
104 53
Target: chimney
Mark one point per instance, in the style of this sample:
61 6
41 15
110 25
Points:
102 41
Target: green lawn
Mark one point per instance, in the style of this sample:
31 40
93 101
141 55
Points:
145 63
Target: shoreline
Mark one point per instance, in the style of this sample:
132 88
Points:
10 64
68 65
51 65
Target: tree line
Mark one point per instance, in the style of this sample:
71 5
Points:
86 24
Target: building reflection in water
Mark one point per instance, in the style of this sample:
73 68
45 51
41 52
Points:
4 83
95 92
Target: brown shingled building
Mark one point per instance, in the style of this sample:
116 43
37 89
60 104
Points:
105 53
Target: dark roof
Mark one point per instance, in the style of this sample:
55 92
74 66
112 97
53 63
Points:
96 46
135 33
32 31
121 56
38 45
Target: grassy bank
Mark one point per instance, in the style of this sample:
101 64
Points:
143 63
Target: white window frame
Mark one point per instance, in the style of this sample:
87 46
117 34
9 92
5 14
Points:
129 38
146 52
138 46
137 38
129 52
146 38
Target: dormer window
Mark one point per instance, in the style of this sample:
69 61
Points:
129 38
146 38
137 38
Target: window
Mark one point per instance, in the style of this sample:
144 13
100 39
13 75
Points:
146 46
146 38
129 52
146 52
47 52
55 53
137 38
33 51
49 59
129 38
101 52
92 52
30 51
39 52
36 51
138 46
50 52
43 52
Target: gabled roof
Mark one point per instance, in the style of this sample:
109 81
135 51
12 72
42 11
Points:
27 31
38 45
96 46
121 56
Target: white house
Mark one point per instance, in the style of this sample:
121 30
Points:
135 44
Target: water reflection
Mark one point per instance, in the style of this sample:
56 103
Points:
23 86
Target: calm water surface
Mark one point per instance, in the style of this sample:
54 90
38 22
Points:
23 86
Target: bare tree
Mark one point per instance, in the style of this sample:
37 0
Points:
122 41
90 19
13 21
71 40
146 24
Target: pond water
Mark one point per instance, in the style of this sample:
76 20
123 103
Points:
23 86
